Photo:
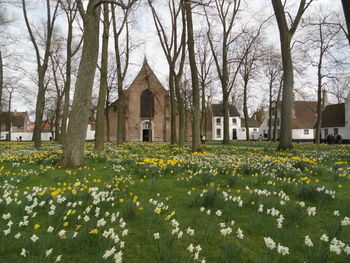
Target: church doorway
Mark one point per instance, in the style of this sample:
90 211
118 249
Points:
147 131
145 135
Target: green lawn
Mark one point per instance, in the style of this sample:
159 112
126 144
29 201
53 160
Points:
158 203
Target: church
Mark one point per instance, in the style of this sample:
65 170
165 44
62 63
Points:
147 109
147 114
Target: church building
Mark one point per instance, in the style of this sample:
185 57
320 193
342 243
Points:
147 109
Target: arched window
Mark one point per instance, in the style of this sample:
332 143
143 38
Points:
147 104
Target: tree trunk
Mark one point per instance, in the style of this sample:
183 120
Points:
287 96
1 87
203 120
9 124
245 108
121 115
225 106
39 108
172 106
108 132
225 91
319 98
57 117
181 108
276 111
270 111
286 35
346 8
73 152
67 83
196 140
101 106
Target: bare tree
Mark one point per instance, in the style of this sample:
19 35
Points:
323 37
339 87
205 61
74 144
272 70
122 58
227 12
58 77
70 9
42 63
174 51
196 122
275 112
286 31
101 116
251 44
11 86
112 75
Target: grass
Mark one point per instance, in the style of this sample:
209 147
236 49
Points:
122 197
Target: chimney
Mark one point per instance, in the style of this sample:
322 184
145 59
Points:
324 98
293 105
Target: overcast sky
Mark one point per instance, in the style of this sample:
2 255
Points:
20 55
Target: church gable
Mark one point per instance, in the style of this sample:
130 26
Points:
146 79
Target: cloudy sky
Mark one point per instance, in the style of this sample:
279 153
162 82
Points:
20 57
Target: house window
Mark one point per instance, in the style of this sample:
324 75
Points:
335 131
147 104
325 133
255 129
218 133
218 121
243 129
234 120
306 132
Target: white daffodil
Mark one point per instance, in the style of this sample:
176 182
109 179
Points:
34 238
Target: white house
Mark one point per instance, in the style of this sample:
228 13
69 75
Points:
336 120
21 128
236 124
304 115
254 129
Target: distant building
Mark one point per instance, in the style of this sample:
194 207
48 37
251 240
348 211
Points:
215 122
336 120
304 116
254 129
13 122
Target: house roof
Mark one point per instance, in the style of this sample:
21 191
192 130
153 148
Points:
218 110
251 123
305 114
333 115
16 118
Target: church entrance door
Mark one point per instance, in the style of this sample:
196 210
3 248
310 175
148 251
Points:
147 131
145 135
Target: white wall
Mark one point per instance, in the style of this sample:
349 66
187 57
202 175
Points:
90 135
232 125
299 134
45 136
241 135
346 132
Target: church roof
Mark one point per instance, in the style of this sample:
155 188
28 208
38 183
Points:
333 115
218 110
